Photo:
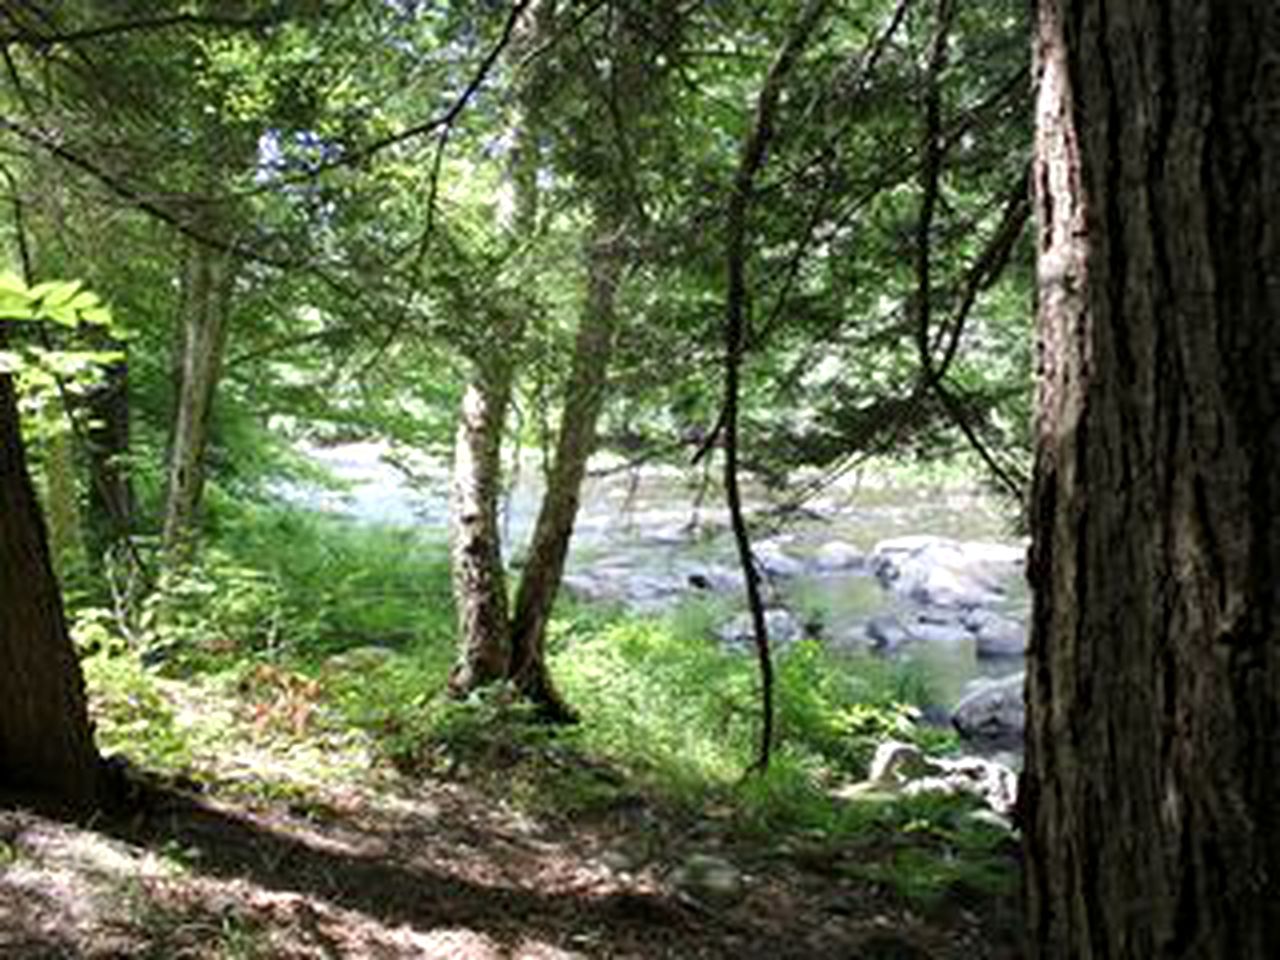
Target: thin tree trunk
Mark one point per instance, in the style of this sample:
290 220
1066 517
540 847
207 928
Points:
479 579
66 540
584 399
46 743
109 515
1152 786
207 284
754 151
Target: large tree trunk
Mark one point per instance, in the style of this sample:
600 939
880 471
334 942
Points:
1152 788
575 442
208 278
46 745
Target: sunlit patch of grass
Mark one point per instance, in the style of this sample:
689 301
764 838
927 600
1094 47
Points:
132 715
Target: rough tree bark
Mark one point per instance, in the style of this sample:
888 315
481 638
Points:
207 282
46 743
1152 785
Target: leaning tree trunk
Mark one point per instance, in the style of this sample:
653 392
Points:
46 743
208 277
576 441
1152 786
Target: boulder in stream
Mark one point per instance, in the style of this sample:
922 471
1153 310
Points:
997 635
836 556
639 591
774 561
940 572
886 633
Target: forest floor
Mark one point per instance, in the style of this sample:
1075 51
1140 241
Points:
258 824
442 868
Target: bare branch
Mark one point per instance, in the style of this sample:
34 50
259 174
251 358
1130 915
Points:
34 37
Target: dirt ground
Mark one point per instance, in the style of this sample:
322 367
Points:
442 869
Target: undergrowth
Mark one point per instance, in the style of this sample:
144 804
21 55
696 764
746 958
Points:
310 636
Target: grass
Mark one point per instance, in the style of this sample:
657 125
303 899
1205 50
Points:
328 645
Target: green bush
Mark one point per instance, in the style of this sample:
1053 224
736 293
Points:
665 700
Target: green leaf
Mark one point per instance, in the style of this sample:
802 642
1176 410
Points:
55 294
84 301
99 316
14 306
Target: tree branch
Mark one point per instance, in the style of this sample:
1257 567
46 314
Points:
754 152
33 37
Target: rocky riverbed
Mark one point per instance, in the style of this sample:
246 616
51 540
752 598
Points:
918 572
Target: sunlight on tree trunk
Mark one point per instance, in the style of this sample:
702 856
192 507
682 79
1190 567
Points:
66 539
207 282
479 577
479 580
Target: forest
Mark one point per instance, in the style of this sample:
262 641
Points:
639 478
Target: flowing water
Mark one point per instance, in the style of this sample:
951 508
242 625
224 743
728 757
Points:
646 537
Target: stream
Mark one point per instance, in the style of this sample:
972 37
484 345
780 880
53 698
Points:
924 573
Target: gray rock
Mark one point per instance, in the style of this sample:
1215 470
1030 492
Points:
997 635
943 572
672 533
709 878
895 762
640 591
782 625
937 632
711 577
992 783
903 768
774 561
886 633
993 712
835 556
